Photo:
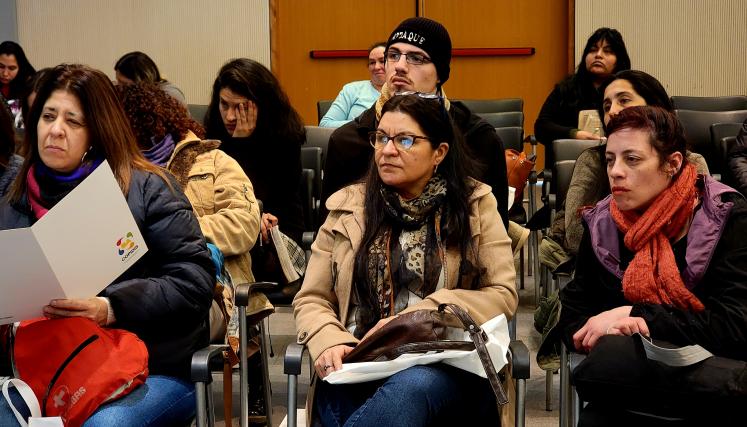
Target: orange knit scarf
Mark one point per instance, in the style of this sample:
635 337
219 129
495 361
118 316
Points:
652 276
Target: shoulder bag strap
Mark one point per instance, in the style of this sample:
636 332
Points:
28 396
479 337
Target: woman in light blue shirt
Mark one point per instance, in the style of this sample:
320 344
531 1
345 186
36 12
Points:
357 97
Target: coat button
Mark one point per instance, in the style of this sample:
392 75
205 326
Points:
302 336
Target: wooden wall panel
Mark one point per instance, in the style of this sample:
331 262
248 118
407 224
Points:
301 26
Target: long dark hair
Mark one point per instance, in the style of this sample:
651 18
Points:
644 84
581 84
138 67
108 129
25 69
456 168
277 120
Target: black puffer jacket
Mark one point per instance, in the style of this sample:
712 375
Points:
165 296
349 153
738 161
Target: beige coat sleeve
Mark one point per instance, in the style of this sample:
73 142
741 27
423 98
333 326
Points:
316 306
234 225
581 192
497 293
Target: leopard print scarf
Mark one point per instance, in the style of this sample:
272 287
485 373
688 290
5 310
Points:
407 255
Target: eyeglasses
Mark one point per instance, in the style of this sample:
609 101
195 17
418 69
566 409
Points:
433 96
402 142
412 58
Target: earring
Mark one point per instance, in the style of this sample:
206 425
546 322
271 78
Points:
83 159
435 168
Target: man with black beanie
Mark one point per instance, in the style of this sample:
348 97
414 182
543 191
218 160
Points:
418 54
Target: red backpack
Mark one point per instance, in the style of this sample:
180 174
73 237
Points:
73 365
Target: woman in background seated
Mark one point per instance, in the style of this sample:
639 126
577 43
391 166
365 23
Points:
589 183
252 115
10 163
15 72
219 191
417 233
664 256
135 67
357 97
604 54
75 124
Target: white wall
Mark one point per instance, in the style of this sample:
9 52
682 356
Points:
188 39
694 47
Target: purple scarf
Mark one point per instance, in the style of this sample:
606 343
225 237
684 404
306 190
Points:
160 153
46 187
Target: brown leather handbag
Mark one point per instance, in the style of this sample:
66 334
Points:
518 168
422 331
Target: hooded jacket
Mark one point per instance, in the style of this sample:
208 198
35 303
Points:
711 259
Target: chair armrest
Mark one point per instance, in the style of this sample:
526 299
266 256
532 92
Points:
307 238
245 289
200 369
293 358
519 359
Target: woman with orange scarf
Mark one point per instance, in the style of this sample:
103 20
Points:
665 257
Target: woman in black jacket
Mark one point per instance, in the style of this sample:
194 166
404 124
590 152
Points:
165 296
604 55
252 115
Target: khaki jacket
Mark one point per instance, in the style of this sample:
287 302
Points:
223 200
322 305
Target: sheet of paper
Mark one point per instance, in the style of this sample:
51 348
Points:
78 248
90 237
28 280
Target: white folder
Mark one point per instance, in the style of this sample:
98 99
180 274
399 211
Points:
74 251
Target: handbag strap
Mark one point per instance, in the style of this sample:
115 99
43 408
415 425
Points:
424 347
28 396
479 337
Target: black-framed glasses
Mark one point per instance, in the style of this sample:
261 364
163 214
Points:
412 58
402 142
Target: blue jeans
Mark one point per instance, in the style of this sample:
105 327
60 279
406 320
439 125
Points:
428 395
161 401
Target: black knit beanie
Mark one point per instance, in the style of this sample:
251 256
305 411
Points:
428 35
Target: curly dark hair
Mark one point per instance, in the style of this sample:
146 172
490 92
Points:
153 114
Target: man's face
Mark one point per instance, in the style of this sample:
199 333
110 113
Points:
402 76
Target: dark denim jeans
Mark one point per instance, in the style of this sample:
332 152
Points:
429 395
161 401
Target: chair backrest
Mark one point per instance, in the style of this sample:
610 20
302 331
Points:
502 105
697 126
570 149
198 111
322 107
512 137
318 137
504 119
563 174
311 158
307 191
710 103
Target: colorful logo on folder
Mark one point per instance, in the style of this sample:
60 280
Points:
126 246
